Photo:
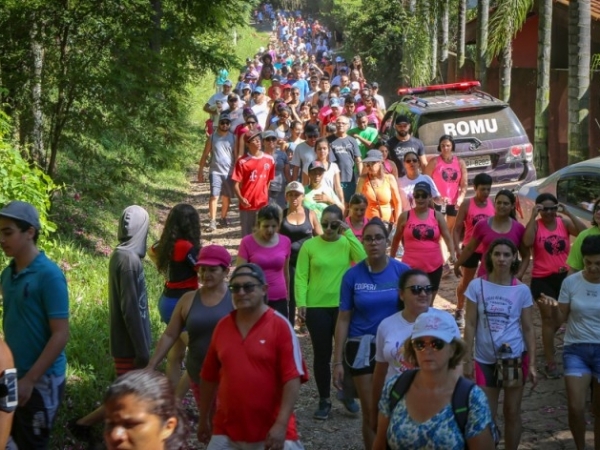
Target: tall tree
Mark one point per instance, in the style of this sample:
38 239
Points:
460 45
506 21
580 18
444 38
542 95
483 15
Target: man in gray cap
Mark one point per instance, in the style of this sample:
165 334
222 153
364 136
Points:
282 168
255 361
220 145
36 325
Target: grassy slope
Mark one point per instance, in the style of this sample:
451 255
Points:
87 233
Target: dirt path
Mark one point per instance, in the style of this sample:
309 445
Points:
544 410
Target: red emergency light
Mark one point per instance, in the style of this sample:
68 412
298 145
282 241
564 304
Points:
462 86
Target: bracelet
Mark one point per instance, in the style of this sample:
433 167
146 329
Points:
338 364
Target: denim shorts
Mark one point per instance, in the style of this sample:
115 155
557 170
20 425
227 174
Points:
582 359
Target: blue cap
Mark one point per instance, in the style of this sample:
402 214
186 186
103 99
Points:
335 103
259 89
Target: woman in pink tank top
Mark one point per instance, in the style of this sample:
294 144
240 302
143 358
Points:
471 211
357 218
421 229
449 173
549 239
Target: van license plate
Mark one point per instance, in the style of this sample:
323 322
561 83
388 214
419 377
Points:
478 161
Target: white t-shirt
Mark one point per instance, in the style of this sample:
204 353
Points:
329 175
391 334
380 102
583 324
304 154
504 305
408 186
261 112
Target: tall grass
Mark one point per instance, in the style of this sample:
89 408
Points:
86 236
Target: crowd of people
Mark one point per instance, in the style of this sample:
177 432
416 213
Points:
343 232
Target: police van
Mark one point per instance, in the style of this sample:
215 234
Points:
488 135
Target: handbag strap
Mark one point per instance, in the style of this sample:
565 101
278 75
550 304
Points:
485 313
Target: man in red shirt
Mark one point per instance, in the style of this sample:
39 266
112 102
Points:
252 175
255 361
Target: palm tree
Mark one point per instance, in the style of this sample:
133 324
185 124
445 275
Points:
542 96
505 23
579 78
444 41
460 46
483 15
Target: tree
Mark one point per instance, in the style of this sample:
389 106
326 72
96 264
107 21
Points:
462 29
483 14
444 38
542 96
579 79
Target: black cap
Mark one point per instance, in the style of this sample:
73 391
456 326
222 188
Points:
252 270
316 165
402 118
422 186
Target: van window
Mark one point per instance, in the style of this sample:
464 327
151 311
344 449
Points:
484 124
579 191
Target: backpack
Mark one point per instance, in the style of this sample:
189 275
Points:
460 400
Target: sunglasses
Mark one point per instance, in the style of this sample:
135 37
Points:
270 139
250 122
247 287
332 225
312 136
225 122
420 196
550 208
378 239
417 289
371 163
435 344
411 161
232 100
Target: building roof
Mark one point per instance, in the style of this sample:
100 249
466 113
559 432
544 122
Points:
595 4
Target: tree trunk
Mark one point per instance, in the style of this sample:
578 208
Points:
542 96
37 53
483 17
444 23
433 36
412 6
155 43
462 30
579 79
506 70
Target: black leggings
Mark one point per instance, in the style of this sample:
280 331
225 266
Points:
321 327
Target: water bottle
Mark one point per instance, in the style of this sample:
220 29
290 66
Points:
443 206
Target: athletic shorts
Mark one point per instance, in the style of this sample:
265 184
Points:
549 285
435 277
349 189
124 365
166 305
451 210
220 184
222 442
350 350
485 374
32 423
582 359
473 261
247 221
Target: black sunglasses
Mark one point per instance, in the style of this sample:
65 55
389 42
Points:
232 100
422 195
550 208
332 225
250 122
271 139
224 122
247 287
435 344
417 289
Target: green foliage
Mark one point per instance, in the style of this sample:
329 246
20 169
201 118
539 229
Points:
21 181
506 21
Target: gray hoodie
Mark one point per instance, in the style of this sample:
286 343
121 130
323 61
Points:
127 297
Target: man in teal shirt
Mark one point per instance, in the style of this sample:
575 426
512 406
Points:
363 133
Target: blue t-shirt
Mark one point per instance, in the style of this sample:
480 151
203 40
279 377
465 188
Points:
440 431
370 296
31 298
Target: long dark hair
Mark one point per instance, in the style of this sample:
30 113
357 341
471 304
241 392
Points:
154 390
183 222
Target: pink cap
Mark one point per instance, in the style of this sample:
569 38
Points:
214 255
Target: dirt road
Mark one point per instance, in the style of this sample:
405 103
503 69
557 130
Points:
544 410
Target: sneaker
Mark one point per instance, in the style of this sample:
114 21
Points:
322 413
551 371
223 222
351 405
459 316
212 226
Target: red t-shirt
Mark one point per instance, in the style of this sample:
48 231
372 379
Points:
182 267
251 373
254 175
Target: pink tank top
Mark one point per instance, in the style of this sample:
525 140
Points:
550 249
357 232
422 242
447 178
475 214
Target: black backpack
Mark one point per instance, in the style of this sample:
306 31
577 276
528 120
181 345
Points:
460 399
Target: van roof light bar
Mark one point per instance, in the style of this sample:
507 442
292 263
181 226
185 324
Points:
462 86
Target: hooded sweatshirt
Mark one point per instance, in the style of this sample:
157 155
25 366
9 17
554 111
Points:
127 297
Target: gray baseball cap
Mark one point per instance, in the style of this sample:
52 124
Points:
22 211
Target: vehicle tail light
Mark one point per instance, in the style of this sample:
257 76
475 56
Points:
528 152
516 153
